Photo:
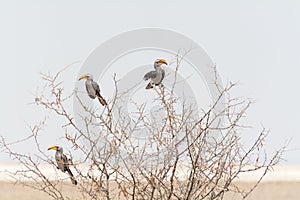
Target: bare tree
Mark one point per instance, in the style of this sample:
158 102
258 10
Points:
187 155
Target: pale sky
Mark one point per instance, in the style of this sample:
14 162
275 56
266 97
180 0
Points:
254 42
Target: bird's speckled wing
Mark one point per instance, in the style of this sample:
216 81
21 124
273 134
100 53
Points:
62 161
96 87
149 75
65 161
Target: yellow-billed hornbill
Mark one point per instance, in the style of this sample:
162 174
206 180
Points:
62 162
93 88
156 76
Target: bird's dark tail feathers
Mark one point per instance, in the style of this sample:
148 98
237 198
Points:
72 177
149 86
102 100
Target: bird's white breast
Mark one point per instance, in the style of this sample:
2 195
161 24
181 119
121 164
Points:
159 76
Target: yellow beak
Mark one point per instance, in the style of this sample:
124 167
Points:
53 148
82 77
163 61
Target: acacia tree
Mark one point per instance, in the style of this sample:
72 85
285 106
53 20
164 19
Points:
187 155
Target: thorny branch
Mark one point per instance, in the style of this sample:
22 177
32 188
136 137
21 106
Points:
186 156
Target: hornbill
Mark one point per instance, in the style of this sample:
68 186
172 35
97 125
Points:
62 162
156 76
93 88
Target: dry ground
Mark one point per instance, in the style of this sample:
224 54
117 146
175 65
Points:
265 191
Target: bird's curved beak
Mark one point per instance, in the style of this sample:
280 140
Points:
163 61
53 148
82 77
